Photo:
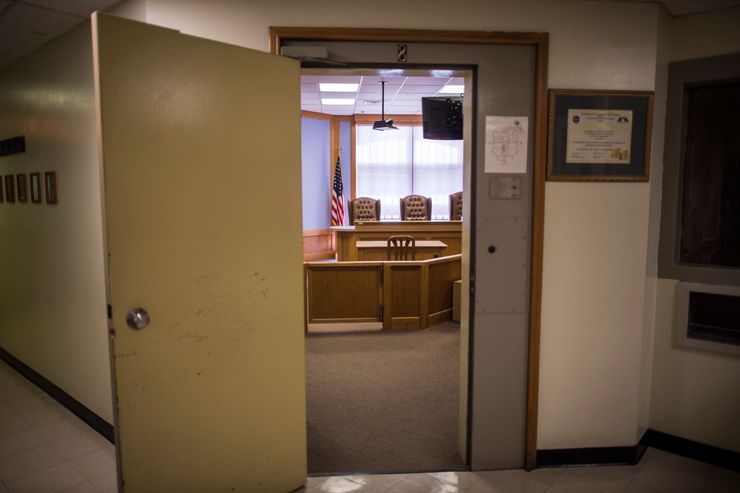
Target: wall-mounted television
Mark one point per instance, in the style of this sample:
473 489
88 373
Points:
442 118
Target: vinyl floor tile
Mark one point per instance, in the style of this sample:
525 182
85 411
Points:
20 442
50 480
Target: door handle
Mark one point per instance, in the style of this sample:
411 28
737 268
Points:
137 318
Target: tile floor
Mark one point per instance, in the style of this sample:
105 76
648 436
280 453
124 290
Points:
45 448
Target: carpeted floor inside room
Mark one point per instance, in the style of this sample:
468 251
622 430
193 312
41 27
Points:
381 401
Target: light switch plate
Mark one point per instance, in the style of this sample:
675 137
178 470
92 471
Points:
505 187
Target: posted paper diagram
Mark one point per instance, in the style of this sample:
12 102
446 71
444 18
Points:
506 144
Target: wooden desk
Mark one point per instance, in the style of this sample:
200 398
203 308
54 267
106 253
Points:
346 237
378 250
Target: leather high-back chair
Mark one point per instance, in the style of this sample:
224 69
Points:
456 206
416 208
364 209
401 247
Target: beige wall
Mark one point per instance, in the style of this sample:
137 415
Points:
708 34
695 394
596 235
52 297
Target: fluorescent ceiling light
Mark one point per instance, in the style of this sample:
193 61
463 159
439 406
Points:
330 87
337 101
452 89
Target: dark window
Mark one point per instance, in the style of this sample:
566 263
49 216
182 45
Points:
710 210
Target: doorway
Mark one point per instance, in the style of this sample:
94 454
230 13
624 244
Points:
385 400
505 271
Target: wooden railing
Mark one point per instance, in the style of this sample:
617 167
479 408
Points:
401 294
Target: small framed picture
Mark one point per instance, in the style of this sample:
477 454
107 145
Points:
22 188
50 179
35 188
9 189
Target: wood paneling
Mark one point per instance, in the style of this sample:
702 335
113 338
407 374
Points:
404 294
318 244
448 232
346 292
442 275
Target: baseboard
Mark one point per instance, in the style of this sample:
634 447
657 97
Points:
590 456
76 407
691 449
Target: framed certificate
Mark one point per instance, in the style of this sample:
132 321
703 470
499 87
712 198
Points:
599 135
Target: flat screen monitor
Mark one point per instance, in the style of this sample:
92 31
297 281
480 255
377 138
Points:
442 118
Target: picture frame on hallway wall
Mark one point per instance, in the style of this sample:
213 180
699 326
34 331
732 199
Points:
50 181
35 183
599 135
9 189
22 187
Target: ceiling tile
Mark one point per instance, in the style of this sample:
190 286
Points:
420 89
24 28
82 8
6 59
430 81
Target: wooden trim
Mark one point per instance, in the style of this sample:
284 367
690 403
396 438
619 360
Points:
318 244
538 232
315 115
76 407
353 157
397 119
541 42
439 317
280 33
343 320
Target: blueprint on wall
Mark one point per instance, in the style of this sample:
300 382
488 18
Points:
506 144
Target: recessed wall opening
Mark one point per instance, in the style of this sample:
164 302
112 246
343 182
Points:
708 317
385 354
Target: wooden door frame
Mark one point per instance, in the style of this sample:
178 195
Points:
540 41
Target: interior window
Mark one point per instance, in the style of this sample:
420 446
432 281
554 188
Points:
395 163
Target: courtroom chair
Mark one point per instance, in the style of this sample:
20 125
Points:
416 208
401 247
364 209
456 206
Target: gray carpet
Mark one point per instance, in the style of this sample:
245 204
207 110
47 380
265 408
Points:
383 402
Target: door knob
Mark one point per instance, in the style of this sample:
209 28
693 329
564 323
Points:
137 318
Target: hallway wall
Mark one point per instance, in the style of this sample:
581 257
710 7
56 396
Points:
695 394
52 294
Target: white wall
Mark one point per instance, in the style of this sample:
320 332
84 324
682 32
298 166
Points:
656 168
695 394
708 34
596 234
52 296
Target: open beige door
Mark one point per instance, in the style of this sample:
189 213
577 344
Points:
201 158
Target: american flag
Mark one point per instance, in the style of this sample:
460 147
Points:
337 197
